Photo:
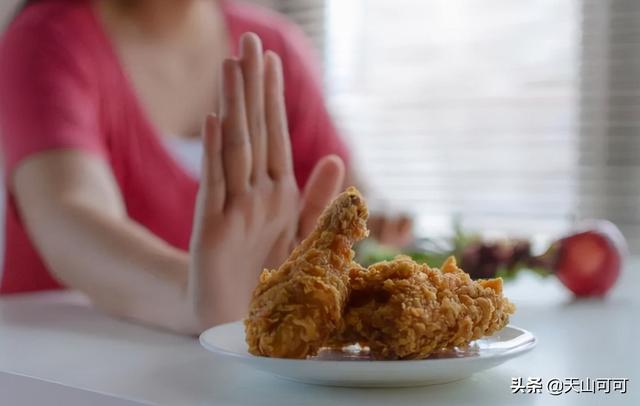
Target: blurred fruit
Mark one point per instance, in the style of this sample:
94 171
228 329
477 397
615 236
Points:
589 262
482 259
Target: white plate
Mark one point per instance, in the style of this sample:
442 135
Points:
344 368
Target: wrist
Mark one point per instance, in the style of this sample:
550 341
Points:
213 297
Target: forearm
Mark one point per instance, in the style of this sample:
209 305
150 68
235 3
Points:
77 220
122 267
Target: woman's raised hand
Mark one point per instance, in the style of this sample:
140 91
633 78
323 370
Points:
249 211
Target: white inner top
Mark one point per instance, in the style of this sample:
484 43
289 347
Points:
187 152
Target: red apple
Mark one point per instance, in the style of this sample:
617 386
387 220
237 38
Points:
589 262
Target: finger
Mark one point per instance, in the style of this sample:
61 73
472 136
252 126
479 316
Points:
212 182
405 230
279 146
374 225
324 183
387 231
252 65
236 149
395 231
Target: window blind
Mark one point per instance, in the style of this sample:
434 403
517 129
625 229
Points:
308 14
610 114
462 108
517 118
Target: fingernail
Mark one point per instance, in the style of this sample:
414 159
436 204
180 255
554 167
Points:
257 41
247 39
277 64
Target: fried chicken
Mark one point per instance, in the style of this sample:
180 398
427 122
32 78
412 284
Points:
404 310
295 309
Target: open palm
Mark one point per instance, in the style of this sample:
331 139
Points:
249 211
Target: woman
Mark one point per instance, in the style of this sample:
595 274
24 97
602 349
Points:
97 98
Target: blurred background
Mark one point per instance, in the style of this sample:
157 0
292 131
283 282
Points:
517 118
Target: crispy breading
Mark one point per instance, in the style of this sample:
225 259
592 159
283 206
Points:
399 309
404 310
295 309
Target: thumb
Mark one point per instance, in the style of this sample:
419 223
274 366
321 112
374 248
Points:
324 183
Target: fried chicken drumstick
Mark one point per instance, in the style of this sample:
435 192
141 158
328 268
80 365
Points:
295 309
404 310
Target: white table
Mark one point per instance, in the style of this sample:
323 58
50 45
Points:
55 349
